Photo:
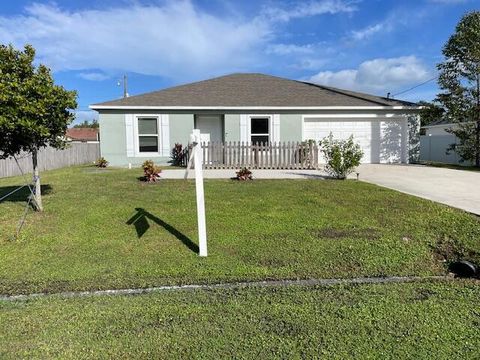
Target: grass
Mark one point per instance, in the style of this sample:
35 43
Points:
105 229
424 320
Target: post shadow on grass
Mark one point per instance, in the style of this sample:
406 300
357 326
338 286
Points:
140 221
22 194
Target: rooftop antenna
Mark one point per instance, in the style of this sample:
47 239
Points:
125 84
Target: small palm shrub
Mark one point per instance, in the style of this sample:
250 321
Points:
341 156
151 171
101 162
244 174
178 155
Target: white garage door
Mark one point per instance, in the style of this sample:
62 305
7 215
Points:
382 140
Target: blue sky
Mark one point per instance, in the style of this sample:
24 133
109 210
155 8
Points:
376 46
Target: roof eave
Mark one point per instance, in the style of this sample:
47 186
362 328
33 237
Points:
137 107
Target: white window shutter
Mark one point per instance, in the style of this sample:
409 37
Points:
130 135
243 127
276 128
165 121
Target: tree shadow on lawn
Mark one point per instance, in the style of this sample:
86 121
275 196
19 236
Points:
22 194
140 221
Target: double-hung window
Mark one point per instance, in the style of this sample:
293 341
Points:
260 130
148 135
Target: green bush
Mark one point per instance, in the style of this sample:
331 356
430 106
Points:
101 162
151 171
341 156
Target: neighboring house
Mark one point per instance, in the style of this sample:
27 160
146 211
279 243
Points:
438 127
255 108
436 140
89 135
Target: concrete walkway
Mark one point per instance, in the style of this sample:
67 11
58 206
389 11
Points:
457 188
257 174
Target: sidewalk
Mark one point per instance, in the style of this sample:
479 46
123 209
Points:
257 174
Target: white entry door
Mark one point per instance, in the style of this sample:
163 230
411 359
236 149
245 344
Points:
210 126
382 140
211 129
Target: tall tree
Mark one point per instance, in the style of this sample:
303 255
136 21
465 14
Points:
86 124
34 112
460 81
430 112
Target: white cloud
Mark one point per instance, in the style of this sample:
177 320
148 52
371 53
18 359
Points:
377 76
367 32
288 49
93 76
397 20
174 39
309 8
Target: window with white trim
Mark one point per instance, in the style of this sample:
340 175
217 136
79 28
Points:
260 129
148 135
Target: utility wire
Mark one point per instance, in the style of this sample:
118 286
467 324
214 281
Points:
414 87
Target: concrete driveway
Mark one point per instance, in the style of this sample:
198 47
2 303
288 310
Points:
457 188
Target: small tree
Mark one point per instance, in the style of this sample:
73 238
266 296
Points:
34 112
460 81
341 156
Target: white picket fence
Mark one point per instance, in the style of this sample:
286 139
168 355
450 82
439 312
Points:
50 158
281 155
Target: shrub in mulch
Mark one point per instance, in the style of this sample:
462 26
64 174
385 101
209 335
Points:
151 172
244 174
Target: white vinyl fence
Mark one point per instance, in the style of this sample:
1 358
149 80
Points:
235 155
434 148
50 158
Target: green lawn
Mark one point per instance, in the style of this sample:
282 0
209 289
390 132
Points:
430 320
106 229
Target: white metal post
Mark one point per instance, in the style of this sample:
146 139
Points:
198 160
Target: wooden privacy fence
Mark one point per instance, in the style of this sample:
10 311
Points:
281 155
50 158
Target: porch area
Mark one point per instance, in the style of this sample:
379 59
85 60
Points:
268 156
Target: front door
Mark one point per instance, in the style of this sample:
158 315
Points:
211 130
210 126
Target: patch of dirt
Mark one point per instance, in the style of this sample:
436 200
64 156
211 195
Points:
447 249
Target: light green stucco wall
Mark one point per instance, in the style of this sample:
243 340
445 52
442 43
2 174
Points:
113 133
290 127
113 142
181 126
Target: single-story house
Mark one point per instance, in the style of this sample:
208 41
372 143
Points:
438 127
88 135
255 108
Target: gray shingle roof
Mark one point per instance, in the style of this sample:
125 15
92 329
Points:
256 90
